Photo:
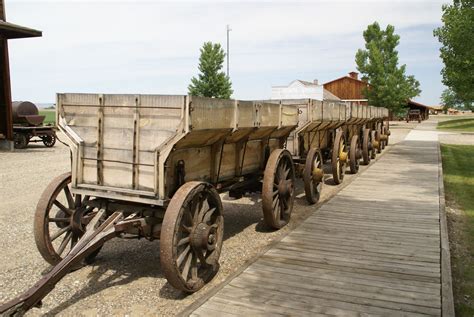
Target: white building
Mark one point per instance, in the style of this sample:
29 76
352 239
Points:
299 89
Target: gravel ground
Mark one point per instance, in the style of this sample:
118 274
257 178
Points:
126 278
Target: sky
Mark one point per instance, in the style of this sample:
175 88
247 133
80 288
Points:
153 46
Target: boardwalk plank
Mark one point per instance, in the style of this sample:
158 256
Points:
372 250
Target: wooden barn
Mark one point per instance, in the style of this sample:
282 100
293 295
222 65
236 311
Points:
348 88
424 109
8 31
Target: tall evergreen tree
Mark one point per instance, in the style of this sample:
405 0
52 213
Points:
378 64
211 81
457 52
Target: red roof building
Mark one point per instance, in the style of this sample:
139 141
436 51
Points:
348 88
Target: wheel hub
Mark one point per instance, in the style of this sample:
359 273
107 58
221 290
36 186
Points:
204 237
61 214
285 188
343 157
317 174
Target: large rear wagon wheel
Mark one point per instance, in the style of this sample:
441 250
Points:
278 191
339 158
191 236
54 223
387 135
354 155
374 144
313 175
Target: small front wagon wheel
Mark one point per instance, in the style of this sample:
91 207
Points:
60 219
49 140
191 236
278 190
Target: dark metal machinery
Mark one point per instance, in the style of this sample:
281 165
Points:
28 126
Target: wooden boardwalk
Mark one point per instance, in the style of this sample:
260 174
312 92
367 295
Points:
374 249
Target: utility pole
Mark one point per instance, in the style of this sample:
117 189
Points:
228 30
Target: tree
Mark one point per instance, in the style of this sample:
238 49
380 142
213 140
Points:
457 51
378 63
212 81
451 100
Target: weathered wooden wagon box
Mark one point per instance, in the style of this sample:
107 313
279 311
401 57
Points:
128 147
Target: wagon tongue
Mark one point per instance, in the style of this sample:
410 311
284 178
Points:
94 237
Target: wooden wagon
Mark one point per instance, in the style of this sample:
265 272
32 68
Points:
151 166
379 128
313 140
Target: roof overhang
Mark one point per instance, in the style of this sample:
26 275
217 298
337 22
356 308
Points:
417 104
13 31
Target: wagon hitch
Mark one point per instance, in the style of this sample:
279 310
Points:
95 236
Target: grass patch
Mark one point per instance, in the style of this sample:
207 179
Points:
458 171
465 124
50 116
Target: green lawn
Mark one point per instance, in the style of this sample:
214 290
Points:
50 116
458 170
464 124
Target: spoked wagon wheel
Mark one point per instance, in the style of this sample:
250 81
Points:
21 140
339 158
60 220
49 140
375 144
313 175
366 147
278 191
354 155
191 236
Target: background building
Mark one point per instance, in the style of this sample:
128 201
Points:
8 31
348 88
299 89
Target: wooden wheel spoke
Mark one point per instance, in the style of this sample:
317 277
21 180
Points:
202 211
77 201
186 228
60 232
275 202
183 255
183 241
74 240
187 266
208 215
194 268
70 200
58 219
64 243
287 172
62 207
194 208
278 211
